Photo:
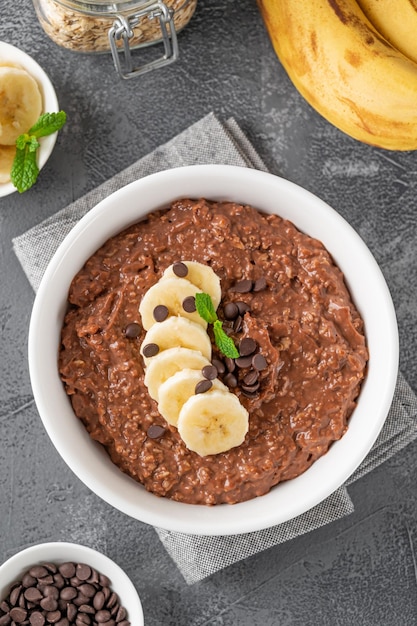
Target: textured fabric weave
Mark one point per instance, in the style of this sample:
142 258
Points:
210 141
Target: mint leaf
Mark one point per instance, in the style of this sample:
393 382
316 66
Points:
205 307
224 343
48 123
25 169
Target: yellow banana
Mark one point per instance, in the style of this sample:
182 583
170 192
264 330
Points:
346 70
396 20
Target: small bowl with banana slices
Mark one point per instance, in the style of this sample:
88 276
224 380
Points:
26 92
124 351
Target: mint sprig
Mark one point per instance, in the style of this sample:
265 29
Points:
206 310
25 169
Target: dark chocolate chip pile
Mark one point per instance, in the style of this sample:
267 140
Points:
70 594
231 370
249 358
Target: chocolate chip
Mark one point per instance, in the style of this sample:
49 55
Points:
68 593
71 611
219 365
155 431
98 601
37 619
230 364
210 372
259 284
105 583
132 330
160 313
247 346
250 388
111 602
230 380
50 590
244 361
28 580
83 571
150 350
102 616
230 311
86 608
94 578
49 604
67 570
32 594
18 614
249 393
38 571
259 362
87 590
251 378
243 286
53 617
188 304
243 307
180 269
59 581
238 324
203 386
15 594
121 614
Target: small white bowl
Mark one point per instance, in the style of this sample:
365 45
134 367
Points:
60 552
268 193
49 98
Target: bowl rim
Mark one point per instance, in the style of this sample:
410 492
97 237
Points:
382 372
62 551
49 100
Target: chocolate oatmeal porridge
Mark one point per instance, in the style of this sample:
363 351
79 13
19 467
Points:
284 305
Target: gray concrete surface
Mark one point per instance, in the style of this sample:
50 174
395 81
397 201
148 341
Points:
360 570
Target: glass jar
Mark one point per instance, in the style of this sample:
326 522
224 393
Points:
94 26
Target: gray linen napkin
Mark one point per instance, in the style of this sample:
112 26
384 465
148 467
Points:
210 141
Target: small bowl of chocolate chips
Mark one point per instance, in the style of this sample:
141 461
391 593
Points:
66 584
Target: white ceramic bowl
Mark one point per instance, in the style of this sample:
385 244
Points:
271 194
60 552
50 102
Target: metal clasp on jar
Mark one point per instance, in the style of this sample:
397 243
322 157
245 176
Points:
122 29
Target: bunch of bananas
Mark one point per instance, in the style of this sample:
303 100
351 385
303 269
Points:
354 61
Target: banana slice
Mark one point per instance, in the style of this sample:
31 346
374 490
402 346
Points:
20 103
213 422
8 63
167 363
176 390
177 331
7 154
202 276
170 293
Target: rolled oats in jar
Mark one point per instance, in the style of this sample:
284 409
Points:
93 26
